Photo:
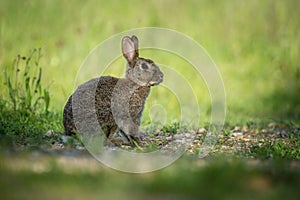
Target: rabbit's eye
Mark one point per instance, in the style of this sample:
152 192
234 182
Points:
144 66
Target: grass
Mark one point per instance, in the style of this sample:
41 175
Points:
281 149
255 46
24 113
21 130
274 141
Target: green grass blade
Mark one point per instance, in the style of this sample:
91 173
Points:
38 81
47 100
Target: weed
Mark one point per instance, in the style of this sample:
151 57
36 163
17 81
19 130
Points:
23 82
170 129
24 111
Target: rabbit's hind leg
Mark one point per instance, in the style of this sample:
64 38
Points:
127 138
122 139
110 140
131 139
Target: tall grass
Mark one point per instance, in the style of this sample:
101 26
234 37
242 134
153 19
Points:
24 111
23 81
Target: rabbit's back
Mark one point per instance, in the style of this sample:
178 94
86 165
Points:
90 100
114 102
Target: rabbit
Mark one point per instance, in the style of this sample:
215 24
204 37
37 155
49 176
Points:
117 102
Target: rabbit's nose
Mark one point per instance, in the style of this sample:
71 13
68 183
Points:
161 76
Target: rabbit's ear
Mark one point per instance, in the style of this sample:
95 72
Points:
136 44
130 49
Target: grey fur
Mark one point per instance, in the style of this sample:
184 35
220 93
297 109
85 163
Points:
116 103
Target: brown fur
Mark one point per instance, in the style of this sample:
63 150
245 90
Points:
118 102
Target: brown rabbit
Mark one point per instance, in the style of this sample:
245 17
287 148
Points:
117 103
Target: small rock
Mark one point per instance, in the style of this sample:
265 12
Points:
273 125
196 141
283 134
80 148
57 146
209 134
245 129
237 134
169 138
237 129
179 141
202 130
177 136
49 133
264 131
261 140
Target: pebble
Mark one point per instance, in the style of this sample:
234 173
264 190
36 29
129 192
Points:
169 138
237 134
261 140
202 130
177 137
196 141
264 131
49 133
245 129
237 128
57 145
187 135
80 148
283 134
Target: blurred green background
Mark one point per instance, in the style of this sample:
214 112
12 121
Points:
255 45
